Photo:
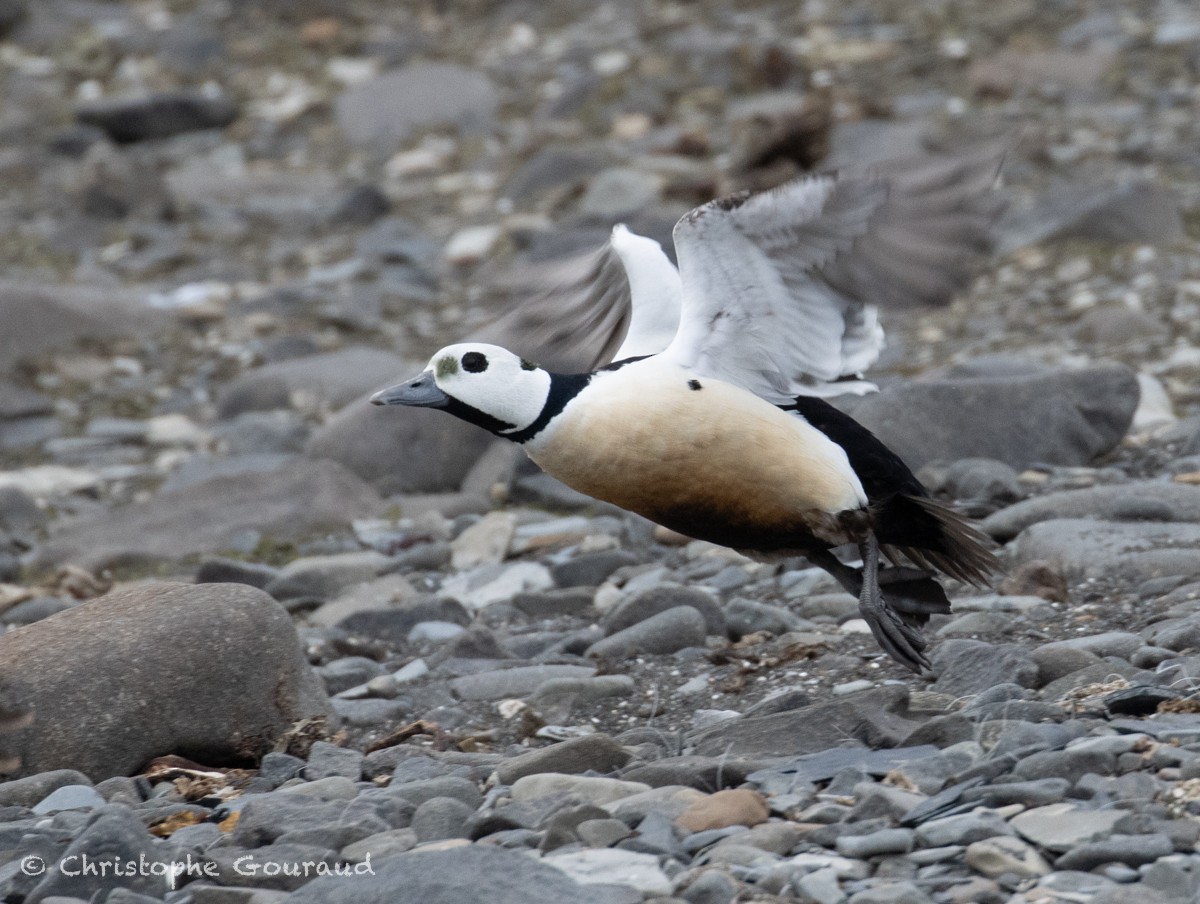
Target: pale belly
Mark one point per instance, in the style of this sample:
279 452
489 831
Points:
731 468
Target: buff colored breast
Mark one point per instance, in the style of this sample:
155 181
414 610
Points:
718 462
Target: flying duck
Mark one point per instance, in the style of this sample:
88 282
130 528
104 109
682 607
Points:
711 418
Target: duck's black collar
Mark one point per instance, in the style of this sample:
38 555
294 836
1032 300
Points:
563 388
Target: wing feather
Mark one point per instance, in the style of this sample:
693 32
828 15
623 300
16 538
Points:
781 289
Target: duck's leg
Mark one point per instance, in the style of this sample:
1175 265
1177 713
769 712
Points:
901 641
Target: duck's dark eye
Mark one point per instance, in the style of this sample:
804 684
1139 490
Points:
474 362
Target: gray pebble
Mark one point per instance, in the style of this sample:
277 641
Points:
663 598
711 887
887 841
1132 850
962 829
666 632
455 786
325 760
591 753
439 818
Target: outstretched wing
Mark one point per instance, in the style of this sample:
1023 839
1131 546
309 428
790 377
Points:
781 289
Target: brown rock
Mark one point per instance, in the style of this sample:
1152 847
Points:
213 672
733 807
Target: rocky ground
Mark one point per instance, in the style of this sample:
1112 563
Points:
222 224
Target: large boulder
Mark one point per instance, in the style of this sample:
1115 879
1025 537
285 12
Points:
213 672
301 499
40 318
401 450
333 378
1065 417
1139 500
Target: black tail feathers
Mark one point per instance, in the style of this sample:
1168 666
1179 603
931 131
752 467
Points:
935 537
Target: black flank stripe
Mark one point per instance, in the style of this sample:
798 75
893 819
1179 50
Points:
563 388
880 470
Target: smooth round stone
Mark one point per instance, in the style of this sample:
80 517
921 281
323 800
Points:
441 818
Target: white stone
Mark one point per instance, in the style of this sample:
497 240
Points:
1154 407
854 626
607 866
49 480
418 668
472 244
516 578
485 542
706 718
434 631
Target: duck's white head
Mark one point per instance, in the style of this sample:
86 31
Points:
484 384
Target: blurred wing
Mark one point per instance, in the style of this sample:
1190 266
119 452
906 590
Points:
781 288
621 301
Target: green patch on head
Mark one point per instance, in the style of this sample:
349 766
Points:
447 366
528 365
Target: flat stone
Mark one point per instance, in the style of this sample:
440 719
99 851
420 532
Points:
1138 500
937 420
450 876
515 682
596 752
323 577
483 543
1062 827
69 797
572 691
593 789
1132 850
39 318
292 503
874 718
612 866
964 828
1135 551
333 378
966 667
113 833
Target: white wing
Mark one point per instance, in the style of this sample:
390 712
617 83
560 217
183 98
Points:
655 294
780 289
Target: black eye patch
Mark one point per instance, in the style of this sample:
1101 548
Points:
474 362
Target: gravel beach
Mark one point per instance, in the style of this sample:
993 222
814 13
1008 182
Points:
262 642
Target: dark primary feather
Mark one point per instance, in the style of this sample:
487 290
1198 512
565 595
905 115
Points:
572 314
